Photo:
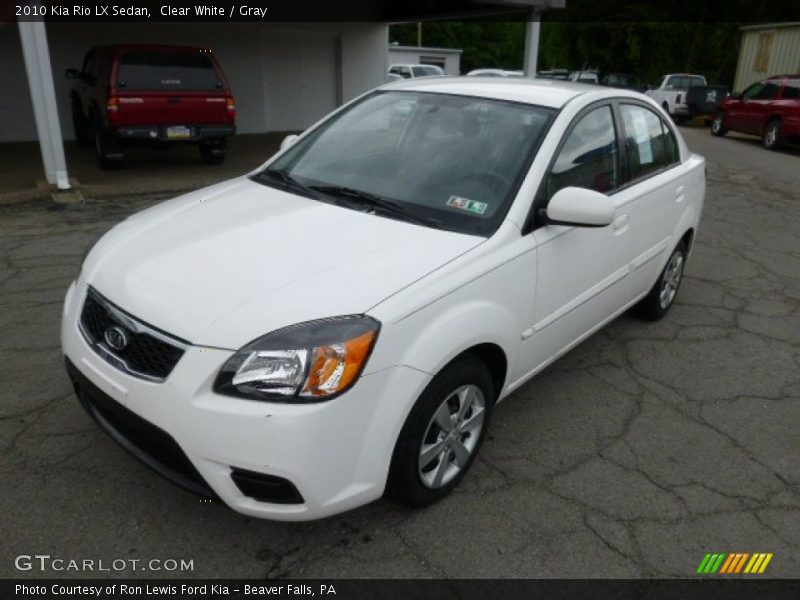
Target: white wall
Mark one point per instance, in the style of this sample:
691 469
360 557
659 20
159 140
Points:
284 76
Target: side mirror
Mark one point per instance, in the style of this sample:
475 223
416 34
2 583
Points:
580 207
72 74
288 141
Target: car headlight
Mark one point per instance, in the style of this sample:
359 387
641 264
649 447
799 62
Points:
307 362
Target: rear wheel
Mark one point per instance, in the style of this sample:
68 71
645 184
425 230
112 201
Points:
717 124
107 149
81 125
659 300
771 138
213 152
442 434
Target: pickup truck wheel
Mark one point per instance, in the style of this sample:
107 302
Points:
213 153
442 434
717 127
83 130
659 300
771 139
107 150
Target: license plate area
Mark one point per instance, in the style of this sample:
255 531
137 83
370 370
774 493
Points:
179 132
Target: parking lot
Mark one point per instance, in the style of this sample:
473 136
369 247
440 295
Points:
638 452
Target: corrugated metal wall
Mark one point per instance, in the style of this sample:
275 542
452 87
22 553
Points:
765 52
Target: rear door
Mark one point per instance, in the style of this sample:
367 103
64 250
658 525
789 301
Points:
169 87
655 191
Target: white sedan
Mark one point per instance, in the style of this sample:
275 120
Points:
341 322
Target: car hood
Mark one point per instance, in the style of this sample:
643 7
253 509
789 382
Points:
224 265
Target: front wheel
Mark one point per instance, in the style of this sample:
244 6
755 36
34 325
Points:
717 125
771 138
659 300
442 434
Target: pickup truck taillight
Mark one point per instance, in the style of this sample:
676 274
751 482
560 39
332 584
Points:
112 109
230 104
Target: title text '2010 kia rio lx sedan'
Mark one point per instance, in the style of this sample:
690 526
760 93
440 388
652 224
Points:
340 323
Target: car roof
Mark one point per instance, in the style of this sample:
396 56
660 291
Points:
551 93
153 47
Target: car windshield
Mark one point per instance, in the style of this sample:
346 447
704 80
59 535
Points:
453 162
426 70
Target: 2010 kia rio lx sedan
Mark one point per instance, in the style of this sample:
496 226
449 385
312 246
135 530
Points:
341 322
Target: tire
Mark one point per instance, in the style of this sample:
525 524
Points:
213 152
717 124
83 131
416 481
665 106
771 138
107 150
661 296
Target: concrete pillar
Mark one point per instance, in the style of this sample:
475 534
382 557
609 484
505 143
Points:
43 96
532 43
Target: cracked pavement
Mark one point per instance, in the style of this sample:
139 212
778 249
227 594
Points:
635 454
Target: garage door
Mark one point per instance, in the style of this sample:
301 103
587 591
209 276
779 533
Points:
300 78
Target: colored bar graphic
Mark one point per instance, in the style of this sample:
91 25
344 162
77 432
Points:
703 563
734 563
740 564
727 564
717 563
764 564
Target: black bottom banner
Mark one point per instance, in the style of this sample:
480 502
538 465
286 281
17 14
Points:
404 589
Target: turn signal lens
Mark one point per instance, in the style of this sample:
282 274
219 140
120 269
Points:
334 368
308 362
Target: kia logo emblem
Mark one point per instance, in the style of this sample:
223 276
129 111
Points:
116 338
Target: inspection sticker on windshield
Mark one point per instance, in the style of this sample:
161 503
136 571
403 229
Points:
466 204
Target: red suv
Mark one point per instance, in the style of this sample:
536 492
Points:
154 94
769 108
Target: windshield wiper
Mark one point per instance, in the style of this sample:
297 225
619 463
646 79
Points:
376 202
289 182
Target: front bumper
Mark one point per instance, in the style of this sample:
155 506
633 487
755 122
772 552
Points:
336 454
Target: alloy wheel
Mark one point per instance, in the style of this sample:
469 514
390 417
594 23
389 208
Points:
451 436
671 279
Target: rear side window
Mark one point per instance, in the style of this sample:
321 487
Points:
165 71
684 82
588 158
792 89
650 145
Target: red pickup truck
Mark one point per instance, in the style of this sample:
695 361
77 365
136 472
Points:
155 94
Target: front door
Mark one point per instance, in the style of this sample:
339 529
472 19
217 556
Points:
579 268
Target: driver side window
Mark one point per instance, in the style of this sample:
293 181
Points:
753 91
588 158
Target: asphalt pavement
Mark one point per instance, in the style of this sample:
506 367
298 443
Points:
637 453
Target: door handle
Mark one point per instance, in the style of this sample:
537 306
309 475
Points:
621 221
679 193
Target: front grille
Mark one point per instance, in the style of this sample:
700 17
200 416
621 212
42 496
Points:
147 352
150 444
